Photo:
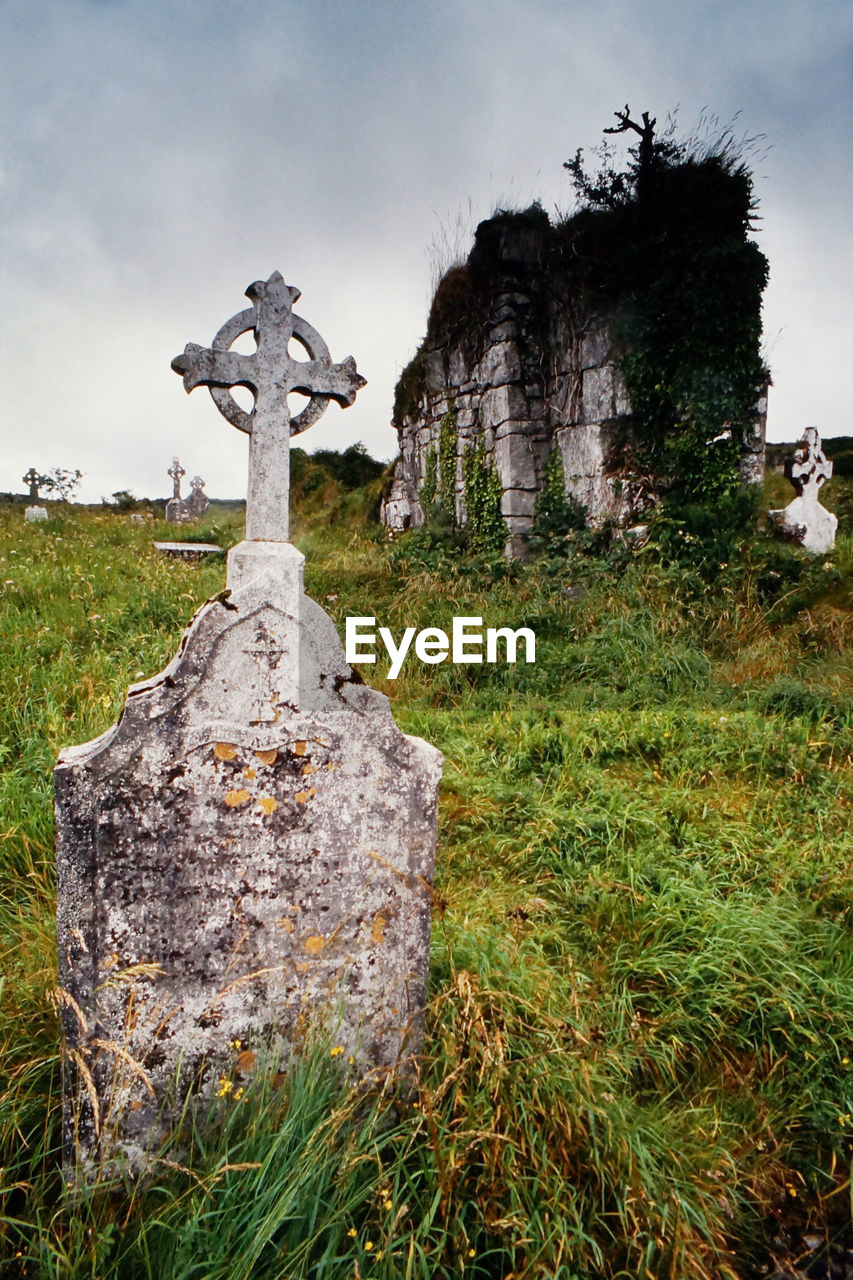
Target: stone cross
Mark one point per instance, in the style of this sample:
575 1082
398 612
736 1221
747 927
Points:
805 520
198 501
271 373
253 843
177 472
33 479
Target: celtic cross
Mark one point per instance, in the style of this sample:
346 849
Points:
270 373
33 479
176 471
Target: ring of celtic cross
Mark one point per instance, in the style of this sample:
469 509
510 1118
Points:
305 334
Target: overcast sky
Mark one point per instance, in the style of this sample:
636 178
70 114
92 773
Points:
156 158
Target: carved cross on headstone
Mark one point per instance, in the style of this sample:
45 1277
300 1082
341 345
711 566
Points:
176 471
33 479
271 374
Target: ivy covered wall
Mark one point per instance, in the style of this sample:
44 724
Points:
626 337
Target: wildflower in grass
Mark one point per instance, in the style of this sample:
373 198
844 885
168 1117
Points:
238 1093
368 1245
352 1232
472 1253
225 1087
844 1119
235 1044
336 1052
845 1062
388 1204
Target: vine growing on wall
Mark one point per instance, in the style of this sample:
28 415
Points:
429 486
485 527
447 463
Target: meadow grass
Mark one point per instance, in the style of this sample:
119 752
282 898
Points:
640 1030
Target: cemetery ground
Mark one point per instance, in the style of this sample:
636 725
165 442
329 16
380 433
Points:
639 1052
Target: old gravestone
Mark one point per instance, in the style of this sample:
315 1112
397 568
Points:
805 520
34 480
255 839
176 507
198 501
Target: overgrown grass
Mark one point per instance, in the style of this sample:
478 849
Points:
639 1045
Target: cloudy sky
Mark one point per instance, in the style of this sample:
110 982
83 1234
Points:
156 157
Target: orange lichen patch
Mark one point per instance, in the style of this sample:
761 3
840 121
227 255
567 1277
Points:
332 768
377 933
314 944
285 924
224 751
300 748
248 773
267 757
302 797
304 967
268 804
237 797
244 1063
309 769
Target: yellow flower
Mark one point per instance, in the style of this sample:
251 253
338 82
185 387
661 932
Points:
352 1232
235 1044
238 1093
845 1062
225 1087
368 1245
336 1052
389 1204
472 1253
845 1119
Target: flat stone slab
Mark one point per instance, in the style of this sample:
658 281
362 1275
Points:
187 550
251 844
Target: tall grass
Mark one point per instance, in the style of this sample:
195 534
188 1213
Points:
638 1053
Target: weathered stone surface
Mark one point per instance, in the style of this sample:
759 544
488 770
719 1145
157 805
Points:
518 502
544 361
500 364
595 343
515 460
254 840
271 373
598 395
34 514
176 508
498 404
805 520
198 501
186 550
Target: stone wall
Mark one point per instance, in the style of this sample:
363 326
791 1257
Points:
525 367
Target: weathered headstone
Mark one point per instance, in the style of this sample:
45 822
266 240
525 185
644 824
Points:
34 480
34 514
198 501
176 507
254 841
805 520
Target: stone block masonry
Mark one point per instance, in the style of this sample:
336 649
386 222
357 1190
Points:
527 363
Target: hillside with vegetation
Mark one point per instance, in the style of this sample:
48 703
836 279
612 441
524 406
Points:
639 1052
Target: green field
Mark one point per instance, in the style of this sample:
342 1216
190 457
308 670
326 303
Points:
639 1059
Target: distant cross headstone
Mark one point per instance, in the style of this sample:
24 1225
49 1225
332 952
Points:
176 508
805 520
198 501
254 840
33 479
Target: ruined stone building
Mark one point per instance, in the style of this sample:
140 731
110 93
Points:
529 349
